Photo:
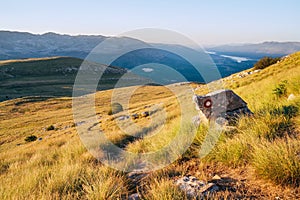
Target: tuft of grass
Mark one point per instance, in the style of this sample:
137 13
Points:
278 161
234 152
105 184
164 189
265 125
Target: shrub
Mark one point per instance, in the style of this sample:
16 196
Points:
110 112
265 62
50 128
115 108
31 138
281 89
278 161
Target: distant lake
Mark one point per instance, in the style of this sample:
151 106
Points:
235 58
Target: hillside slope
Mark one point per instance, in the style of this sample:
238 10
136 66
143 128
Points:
53 76
259 159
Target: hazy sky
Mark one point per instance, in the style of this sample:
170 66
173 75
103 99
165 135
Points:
206 22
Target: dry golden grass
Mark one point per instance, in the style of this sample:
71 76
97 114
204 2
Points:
59 166
28 60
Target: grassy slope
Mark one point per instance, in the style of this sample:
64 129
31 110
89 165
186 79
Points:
53 76
261 155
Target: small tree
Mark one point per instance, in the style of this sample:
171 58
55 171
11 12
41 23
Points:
265 62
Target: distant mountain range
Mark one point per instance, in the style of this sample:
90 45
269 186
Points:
16 45
258 50
229 59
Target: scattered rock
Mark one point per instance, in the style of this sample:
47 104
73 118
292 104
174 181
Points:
136 178
196 120
216 177
40 139
243 74
123 117
224 105
136 175
134 196
209 188
291 97
135 116
181 83
80 123
145 114
194 187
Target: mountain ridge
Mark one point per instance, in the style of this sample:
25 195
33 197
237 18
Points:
271 48
15 44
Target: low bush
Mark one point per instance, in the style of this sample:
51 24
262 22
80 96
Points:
265 62
30 138
50 128
115 108
281 89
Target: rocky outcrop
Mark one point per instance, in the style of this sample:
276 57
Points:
223 106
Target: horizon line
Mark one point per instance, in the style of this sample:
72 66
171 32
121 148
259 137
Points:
107 36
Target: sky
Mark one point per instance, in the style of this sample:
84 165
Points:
207 22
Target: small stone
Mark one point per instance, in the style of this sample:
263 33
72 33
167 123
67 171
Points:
291 97
210 187
196 120
193 187
186 179
123 117
216 177
145 114
134 196
135 116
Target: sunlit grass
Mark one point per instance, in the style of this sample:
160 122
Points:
58 166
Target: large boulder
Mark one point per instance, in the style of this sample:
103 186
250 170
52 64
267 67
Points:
223 106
